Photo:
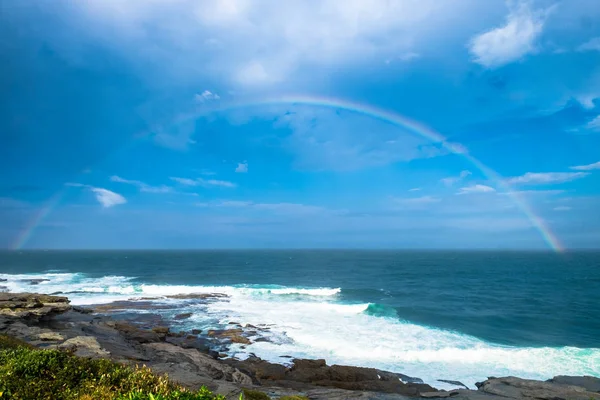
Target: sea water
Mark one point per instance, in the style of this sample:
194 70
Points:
434 315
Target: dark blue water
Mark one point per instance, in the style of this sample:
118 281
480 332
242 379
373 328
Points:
520 299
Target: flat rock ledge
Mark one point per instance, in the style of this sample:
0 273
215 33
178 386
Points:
50 322
32 305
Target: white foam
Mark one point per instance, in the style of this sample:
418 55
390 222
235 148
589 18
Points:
308 322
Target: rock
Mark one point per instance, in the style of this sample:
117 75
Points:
83 310
138 335
438 395
34 281
51 336
85 346
457 383
3 280
183 316
196 331
308 364
183 364
589 383
161 331
518 388
235 335
31 305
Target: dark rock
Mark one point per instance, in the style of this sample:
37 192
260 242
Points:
3 280
183 316
138 335
438 395
457 383
589 383
308 364
83 310
196 331
518 388
34 281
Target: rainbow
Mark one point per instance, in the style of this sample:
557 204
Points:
358 108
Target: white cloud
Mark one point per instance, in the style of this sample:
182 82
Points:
452 180
242 167
510 42
541 178
591 45
562 208
256 42
595 123
276 208
108 198
588 167
203 182
476 189
143 187
207 95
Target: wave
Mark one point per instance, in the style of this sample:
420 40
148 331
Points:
87 290
314 323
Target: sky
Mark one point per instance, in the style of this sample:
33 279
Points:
180 124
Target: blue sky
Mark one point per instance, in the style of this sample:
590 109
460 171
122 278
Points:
158 124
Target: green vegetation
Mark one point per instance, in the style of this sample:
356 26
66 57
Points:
294 398
28 373
255 395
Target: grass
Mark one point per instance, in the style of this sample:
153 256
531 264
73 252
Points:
28 373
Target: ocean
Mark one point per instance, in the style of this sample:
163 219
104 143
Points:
433 315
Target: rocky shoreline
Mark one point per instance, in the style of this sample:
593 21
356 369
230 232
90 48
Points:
197 358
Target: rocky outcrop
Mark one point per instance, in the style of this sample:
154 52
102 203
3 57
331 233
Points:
31 305
517 388
317 372
84 346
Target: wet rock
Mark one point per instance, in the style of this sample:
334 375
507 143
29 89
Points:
183 316
3 280
85 346
457 383
34 281
83 310
235 335
120 306
31 305
196 331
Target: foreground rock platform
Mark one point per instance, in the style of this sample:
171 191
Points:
189 358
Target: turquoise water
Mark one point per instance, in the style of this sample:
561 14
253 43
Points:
435 315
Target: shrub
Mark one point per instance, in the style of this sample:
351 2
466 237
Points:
28 373
254 395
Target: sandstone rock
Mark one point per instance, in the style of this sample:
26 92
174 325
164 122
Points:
85 346
31 305
235 335
51 336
